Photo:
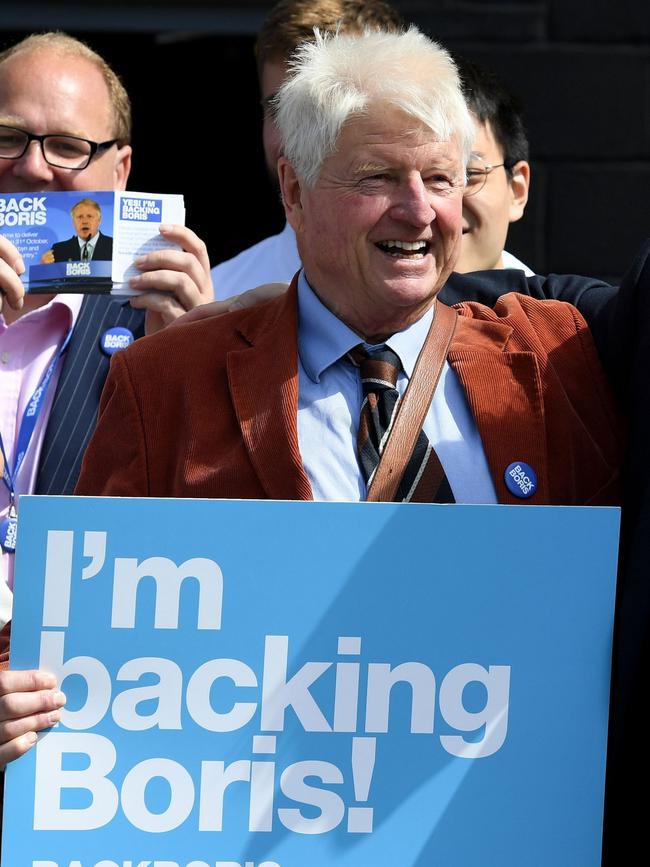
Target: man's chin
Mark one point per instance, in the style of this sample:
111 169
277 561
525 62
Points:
410 293
400 311
416 281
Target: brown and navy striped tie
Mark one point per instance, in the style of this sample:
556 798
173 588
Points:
424 479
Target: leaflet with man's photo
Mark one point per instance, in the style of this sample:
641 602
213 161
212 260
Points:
86 242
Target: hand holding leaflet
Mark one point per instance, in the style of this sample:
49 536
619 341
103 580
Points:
11 267
171 280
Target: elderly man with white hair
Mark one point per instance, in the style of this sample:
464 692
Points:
329 392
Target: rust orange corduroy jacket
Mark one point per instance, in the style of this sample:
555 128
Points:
209 409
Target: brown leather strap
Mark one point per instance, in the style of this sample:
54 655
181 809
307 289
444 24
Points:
414 406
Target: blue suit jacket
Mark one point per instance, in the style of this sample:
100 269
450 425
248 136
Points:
66 251
74 410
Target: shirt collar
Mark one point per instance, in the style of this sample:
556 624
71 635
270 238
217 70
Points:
408 343
91 241
67 306
72 302
323 338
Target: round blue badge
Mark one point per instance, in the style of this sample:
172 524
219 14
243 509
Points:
115 339
520 479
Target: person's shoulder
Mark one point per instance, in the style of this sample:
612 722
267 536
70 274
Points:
273 260
515 304
206 342
511 261
530 320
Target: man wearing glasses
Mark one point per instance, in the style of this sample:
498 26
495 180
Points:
498 174
65 124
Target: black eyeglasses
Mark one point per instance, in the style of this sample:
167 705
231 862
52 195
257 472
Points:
477 175
60 151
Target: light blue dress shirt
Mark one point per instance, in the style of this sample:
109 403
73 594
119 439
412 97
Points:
329 404
91 245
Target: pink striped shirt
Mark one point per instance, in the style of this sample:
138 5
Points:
26 348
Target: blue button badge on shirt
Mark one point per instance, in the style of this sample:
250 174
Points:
520 479
115 339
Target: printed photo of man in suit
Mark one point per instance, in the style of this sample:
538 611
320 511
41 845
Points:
88 242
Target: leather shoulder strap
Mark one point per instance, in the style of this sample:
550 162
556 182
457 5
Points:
414 405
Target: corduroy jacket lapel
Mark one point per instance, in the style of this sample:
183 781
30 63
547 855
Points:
503 386
263 380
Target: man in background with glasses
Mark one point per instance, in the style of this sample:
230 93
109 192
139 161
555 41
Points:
65 124
498 174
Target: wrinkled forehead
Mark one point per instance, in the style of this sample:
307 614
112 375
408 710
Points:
67 91
384 131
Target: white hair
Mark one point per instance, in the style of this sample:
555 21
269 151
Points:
342 75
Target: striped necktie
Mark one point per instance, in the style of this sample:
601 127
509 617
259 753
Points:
424 479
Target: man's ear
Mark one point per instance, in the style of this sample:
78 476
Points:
122 167
291 192
519 184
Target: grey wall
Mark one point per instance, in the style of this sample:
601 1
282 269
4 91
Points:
581 69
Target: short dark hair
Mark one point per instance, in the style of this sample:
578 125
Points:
491 102
292 22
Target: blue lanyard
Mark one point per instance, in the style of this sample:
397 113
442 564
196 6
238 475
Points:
28 424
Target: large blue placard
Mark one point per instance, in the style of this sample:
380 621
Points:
290 684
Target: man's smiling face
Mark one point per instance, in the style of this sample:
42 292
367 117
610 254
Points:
379 232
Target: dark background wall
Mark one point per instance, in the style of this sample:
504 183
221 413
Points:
581 69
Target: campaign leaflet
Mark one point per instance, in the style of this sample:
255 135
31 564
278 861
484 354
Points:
85 242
